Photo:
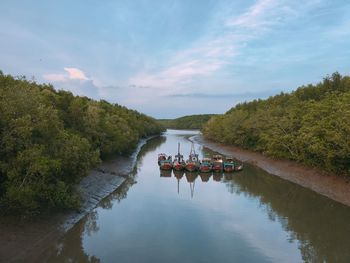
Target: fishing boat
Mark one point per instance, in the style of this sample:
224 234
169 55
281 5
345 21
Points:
217 163
192 164
179 163
229 165
162 157
166 164
205 165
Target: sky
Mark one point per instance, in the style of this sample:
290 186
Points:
169 58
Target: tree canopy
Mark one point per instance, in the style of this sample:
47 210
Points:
310 125
50 139
186 122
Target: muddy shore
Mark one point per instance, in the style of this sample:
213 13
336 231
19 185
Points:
334 187
24 240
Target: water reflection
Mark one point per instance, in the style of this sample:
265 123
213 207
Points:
172 216
178 175
191 177
165 173
151 145
205 177
70 248
320 225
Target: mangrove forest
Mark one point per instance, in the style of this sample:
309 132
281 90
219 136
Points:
310 125
187 122
50 139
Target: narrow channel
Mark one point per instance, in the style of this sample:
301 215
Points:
248 216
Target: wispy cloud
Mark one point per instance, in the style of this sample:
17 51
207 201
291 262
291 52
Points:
201 60
177 74
214 52
236 95
220 47
256 16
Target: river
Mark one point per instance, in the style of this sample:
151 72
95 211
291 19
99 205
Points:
248 216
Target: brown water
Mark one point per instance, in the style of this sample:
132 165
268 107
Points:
249 216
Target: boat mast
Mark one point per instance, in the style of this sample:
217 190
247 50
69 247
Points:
192 188
192 149
178 185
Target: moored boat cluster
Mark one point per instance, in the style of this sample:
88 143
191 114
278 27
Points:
214 164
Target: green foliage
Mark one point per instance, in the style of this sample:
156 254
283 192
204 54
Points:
50 139
186 122
310 125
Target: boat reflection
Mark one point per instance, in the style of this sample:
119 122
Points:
227 176
205 177
165 173
217 177
178 174
192 176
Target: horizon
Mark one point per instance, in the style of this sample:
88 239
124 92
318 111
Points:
169 59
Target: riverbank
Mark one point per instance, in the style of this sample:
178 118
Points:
334 187
24 240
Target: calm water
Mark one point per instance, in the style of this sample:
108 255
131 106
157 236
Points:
249 216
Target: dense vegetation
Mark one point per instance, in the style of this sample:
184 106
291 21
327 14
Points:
187 122
310 125
50 139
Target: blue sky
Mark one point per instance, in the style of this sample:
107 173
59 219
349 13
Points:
170 58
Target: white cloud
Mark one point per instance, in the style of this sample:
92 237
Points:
73 74
76 81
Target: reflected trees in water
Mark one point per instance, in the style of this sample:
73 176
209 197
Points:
310 219
70 248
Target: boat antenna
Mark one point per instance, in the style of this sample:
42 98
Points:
192 149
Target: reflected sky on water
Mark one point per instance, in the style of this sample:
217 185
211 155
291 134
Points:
247 216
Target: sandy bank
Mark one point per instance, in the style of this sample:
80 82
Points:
327 184
24 241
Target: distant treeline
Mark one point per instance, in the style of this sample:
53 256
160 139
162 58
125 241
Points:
50 139
310 125
186 122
